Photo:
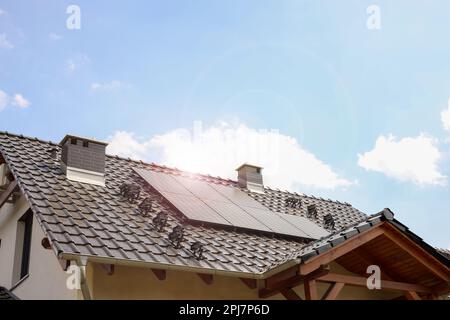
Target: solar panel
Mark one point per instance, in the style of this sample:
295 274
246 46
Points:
162 182
194 209
237 196
202 190
226 205
275 223
307 226
236 216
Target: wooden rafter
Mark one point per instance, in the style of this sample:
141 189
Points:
4 196
333 291
362 282
274 280
310 289
292 282
441 288
207 278
250 283
411 295
369 260
64 264
340 250
160 274
109 268
430 262
290 294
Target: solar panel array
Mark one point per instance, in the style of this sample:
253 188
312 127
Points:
226 205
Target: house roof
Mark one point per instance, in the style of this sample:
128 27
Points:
95 221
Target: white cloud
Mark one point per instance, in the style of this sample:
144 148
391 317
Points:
75 63
3 100
220 149
407 159
126 144
20 101
17 100
445 117
3 12
53 36
4 43
107 86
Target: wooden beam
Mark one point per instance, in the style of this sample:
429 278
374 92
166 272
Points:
369 260
441 288
333 291
433 296
4 196
283 275
411 295
292 282
341 249
109 268
418 253
290 294
46 243
64 264
362 282
310 290
207 278
2 160
250 283
160 274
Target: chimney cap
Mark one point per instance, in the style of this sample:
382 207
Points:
248 165
70 136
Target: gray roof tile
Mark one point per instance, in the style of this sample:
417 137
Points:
80 218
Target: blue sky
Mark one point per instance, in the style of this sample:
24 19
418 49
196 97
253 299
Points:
138 72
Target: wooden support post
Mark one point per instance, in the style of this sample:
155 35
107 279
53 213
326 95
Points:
362 282
433 296
250 283
274 280
109 268
160 274
310 290
333 291
64 264
411 295
290 294
207 278
4 196
292 282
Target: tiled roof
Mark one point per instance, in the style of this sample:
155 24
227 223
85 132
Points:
445 252
88 220
6 295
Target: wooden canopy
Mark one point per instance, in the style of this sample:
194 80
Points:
406 268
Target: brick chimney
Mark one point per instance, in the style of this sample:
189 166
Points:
250 177
83 160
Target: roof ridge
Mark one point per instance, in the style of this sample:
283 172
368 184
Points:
174 169
27 137
295 193
162 166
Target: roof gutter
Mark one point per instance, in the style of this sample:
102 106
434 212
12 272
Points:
165 266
